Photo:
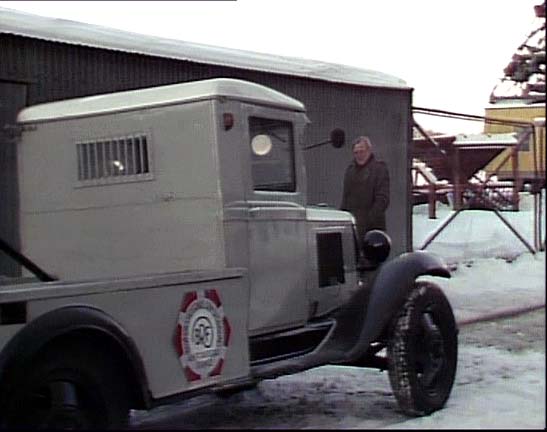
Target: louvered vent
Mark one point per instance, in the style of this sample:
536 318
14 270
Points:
114 160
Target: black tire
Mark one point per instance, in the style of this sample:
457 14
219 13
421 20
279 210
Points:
72 387
422 351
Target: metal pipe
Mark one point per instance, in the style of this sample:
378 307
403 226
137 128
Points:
514 231
438 230
427 137
442 113
541 243
23 260
536 211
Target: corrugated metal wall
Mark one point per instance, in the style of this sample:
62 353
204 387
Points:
56 71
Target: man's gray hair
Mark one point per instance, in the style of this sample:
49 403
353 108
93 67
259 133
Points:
362 139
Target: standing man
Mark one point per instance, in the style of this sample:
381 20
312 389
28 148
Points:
366 188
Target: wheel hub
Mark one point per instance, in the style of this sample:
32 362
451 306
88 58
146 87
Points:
433 359
65 410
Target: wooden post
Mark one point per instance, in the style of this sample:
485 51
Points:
516 178
431 201
458 201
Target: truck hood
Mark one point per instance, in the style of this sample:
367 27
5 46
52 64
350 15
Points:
327 214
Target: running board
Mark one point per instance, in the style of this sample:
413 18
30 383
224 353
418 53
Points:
279 346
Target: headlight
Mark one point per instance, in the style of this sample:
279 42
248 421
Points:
376 246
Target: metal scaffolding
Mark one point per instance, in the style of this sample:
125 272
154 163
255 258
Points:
478 198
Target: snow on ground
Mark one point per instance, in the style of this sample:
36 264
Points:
477 233
486 395
491 267
485 285
494 388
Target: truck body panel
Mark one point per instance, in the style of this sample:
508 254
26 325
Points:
149 309
121 225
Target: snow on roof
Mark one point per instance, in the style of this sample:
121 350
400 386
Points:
72 32
159 96
515 103
487 140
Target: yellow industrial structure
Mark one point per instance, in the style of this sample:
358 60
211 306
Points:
530 163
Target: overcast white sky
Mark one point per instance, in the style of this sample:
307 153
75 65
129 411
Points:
451 52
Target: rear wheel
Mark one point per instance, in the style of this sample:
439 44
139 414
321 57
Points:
422 351
70 388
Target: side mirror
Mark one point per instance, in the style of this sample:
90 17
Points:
376 246
338 138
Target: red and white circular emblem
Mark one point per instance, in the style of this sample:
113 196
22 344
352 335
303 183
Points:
203 334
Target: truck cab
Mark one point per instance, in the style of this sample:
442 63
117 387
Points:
301 259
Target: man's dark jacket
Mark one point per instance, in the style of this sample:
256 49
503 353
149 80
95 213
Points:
366 194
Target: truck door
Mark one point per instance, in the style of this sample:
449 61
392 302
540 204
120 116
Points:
276 223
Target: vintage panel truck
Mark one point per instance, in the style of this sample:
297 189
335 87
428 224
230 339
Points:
174 253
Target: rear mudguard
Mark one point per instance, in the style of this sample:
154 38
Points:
66 321
389 290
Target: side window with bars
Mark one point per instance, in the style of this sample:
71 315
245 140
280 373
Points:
114 160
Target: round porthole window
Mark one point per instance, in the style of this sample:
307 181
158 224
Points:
261 144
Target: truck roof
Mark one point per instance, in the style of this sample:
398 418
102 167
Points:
159 96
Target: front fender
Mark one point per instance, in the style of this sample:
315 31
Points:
390 289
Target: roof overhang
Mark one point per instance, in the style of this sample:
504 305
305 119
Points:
77 33
486 141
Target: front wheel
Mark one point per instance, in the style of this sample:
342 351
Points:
422 351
